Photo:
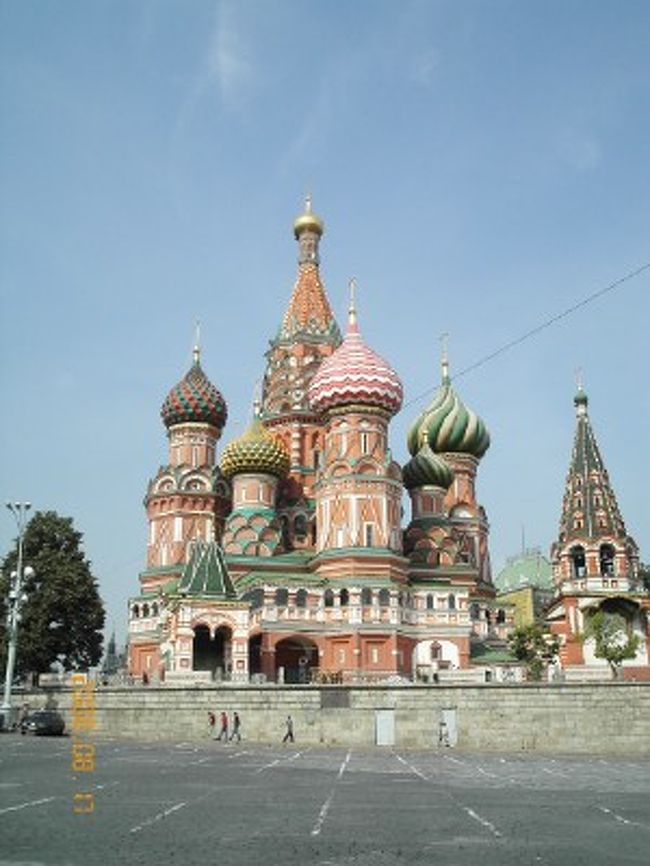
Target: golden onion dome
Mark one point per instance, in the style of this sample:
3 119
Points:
255 451
308 221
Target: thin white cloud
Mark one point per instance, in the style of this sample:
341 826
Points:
229 65
423 67
579 150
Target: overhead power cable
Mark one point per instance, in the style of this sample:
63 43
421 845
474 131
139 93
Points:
536 330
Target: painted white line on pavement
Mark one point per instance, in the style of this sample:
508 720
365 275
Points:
157 817
482 821
318 826
237 755
620 818
267 766
278 761
485 773
344 764
26 805
412 768
454 760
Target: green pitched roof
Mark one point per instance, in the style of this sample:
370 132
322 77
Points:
528 568
206 573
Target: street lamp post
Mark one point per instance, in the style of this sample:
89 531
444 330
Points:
15 600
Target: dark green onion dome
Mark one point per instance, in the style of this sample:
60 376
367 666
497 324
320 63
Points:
255 451
194 400
448 425
427 469
580 398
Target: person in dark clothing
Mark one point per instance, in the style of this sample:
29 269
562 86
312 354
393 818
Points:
236 724
212 722
223 733
288 737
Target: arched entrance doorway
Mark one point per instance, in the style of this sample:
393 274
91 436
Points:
297 656
212 652
255 655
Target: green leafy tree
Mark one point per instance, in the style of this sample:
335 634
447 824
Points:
535 647
63 616
613 639
644 575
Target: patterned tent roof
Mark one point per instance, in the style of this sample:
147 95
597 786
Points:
206 573
589 510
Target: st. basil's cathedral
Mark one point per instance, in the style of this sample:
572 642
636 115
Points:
284 557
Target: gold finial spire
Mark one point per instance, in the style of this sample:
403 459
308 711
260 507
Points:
196 352
352 309
444 339
579 379
257 400
308 221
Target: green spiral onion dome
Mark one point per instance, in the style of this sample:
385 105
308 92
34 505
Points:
194 400
427 469
449 426
255 451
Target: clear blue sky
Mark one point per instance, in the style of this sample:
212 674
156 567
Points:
480 166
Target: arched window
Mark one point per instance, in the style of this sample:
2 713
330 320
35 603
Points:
281 596
435 651
328 598
607 555
145 610
344 597
474 611
501 616
301 598
384 598
154 609
451 601
430 602
135 611
300 526
578 560
366 596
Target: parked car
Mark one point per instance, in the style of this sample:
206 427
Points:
47 722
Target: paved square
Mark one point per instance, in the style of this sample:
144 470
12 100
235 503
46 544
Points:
243 804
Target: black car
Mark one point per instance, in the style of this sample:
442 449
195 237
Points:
46 722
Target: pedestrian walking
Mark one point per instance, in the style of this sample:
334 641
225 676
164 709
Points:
212 722
223 733
236 724
288 737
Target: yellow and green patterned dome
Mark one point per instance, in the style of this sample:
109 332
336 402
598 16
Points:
448 425
255 451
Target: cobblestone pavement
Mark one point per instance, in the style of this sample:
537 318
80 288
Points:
243 804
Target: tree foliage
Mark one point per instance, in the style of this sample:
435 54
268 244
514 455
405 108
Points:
613 639
644 575
63 616
535 647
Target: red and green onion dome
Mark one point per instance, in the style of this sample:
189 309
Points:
449 426
355 374
256 451
194 400
427 469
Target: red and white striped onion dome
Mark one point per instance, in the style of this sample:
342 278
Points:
355 374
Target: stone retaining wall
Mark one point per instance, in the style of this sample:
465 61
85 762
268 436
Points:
574 718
